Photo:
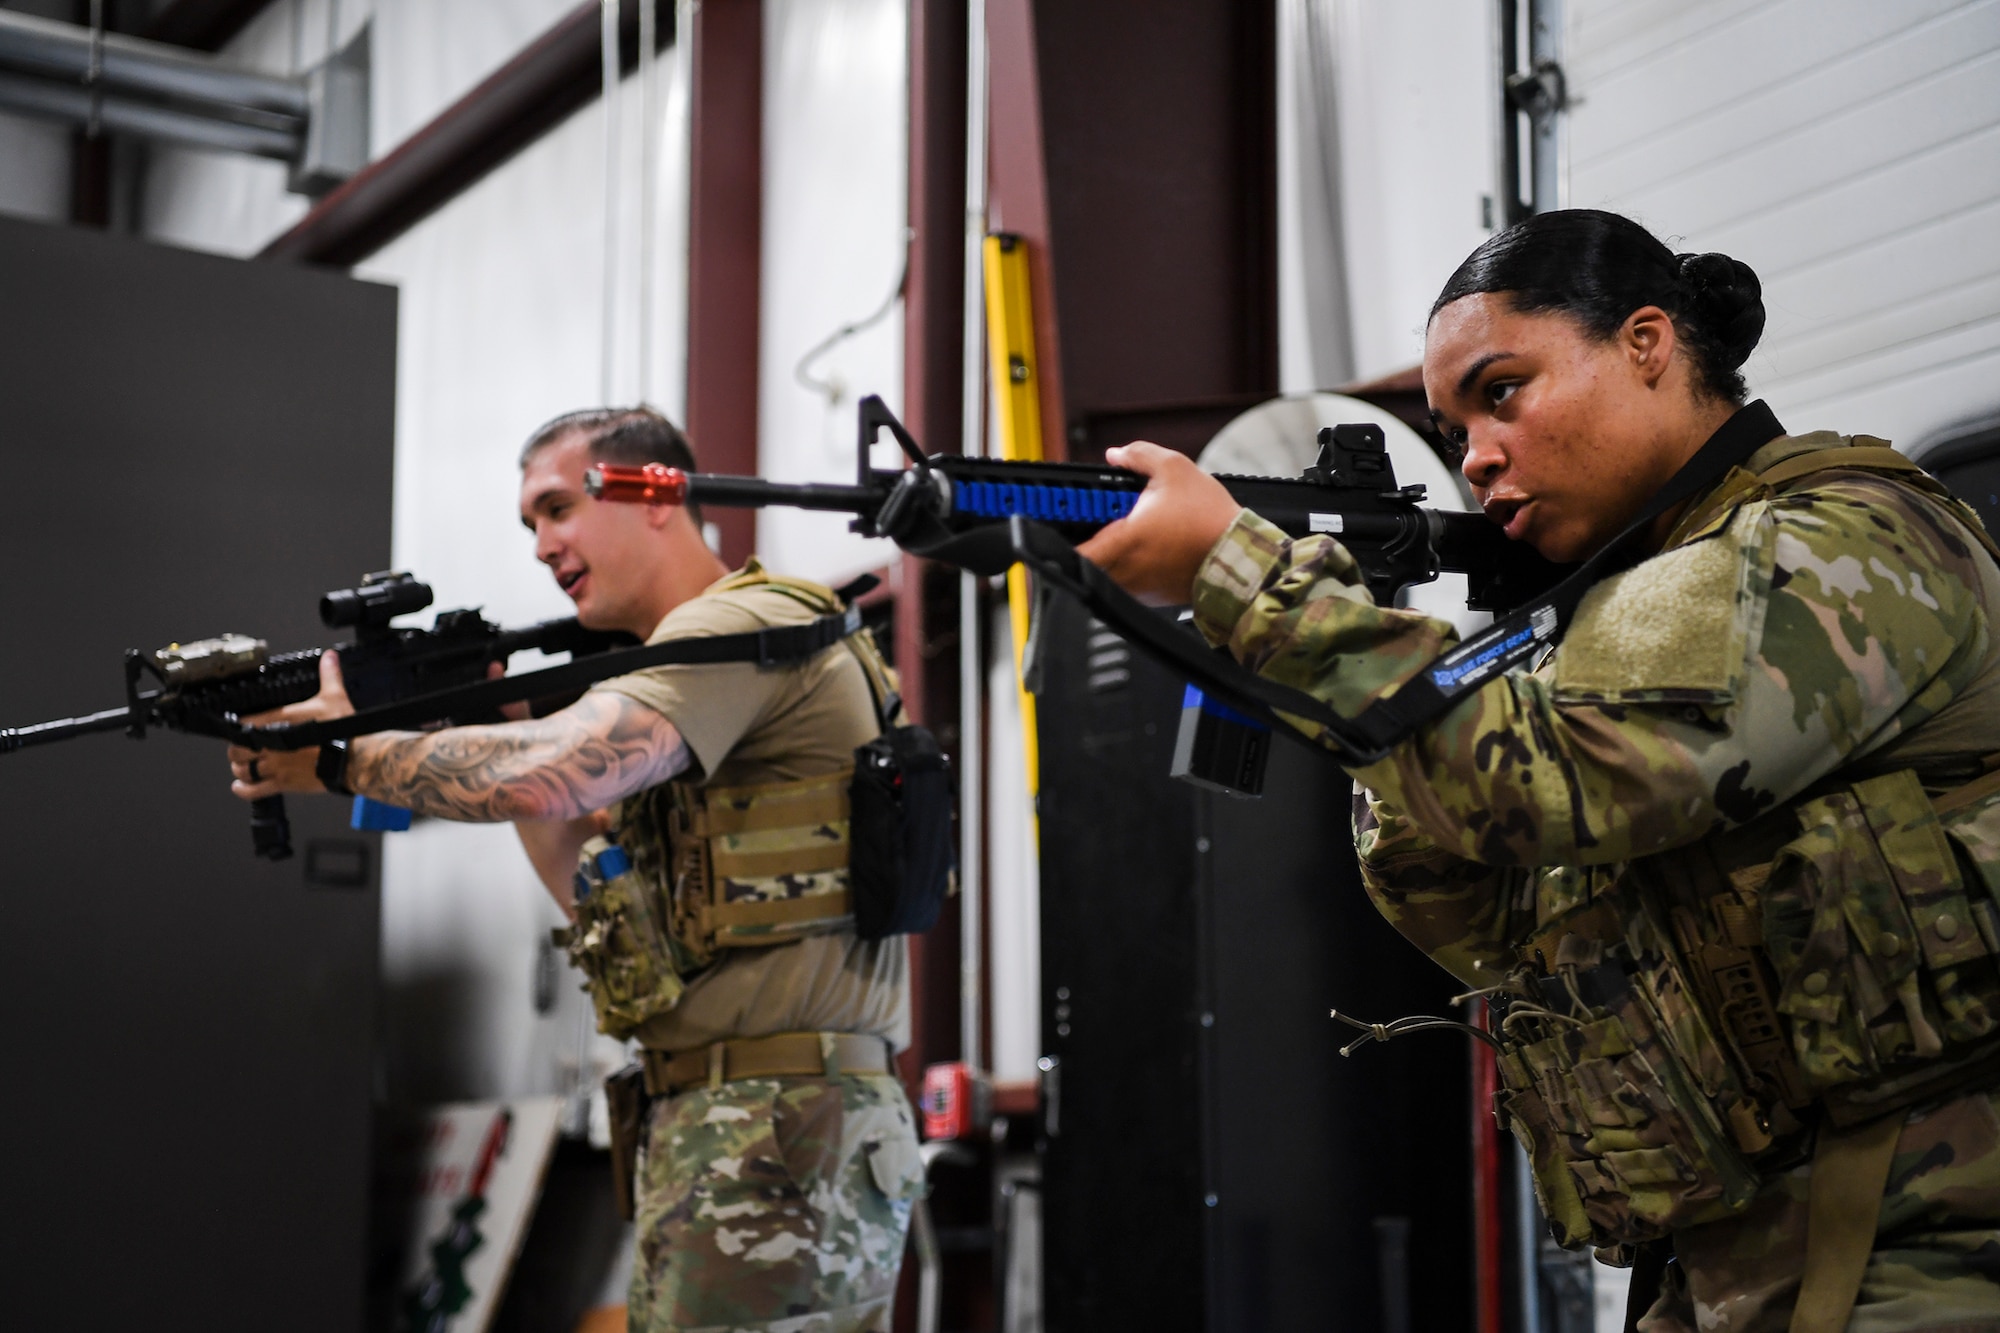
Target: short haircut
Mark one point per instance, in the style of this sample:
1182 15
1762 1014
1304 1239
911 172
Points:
630 435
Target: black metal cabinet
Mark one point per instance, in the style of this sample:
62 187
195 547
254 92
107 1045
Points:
1213 1162
190 445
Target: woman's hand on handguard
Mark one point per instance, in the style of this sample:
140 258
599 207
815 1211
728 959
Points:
1155 551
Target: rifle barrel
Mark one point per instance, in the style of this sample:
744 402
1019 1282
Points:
44 733
754 493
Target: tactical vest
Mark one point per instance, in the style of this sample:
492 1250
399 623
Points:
1678 1023
691 870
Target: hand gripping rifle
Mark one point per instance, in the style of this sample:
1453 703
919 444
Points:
398 678
985 514
206 688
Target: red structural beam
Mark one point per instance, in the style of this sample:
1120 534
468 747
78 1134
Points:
556 75
725 247
1019 201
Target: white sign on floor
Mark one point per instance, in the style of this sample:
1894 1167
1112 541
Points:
468 1175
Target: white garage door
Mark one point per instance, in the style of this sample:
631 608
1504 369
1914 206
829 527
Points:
1849 150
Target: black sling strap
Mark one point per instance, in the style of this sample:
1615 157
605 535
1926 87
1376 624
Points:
1507 643
776 646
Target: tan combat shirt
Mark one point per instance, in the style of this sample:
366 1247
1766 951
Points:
745 725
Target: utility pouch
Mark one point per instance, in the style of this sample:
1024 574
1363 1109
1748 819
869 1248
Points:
626 1100
1882 950
1624 1145
901 802
619 941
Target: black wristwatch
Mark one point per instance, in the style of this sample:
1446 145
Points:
331 768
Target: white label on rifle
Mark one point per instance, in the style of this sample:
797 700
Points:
1326 522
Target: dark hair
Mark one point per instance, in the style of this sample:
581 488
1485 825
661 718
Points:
632 435
1599 267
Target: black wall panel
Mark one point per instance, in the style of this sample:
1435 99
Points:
189 445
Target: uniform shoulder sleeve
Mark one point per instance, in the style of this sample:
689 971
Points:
713 706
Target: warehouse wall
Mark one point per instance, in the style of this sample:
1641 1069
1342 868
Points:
500 315
1386 152
1847 150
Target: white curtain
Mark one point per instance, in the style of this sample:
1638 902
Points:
1315 337
835 183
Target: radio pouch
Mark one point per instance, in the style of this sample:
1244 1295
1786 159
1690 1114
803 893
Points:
900 817
900 833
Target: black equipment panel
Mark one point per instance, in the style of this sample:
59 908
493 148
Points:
192 445
1215 1164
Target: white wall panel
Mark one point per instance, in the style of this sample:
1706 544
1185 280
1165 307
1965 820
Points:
1014 879
430 53
1416 97
835 212
1849 151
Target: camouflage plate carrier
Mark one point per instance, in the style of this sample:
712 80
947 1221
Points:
1680 1021
691 869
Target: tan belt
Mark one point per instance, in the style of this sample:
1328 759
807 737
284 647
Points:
781 1055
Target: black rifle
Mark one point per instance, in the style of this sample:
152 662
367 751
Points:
957 509
207 688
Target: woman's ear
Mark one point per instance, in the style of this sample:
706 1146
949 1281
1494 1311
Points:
1648 341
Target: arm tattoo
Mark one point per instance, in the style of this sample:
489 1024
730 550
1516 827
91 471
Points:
600 749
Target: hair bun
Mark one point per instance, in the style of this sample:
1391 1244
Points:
1727 300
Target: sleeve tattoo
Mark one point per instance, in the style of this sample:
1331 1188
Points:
600 749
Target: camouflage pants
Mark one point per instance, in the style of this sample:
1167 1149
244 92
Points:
1936 1265
774 1204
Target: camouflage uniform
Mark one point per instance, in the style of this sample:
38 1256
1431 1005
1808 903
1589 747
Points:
779 1205
1784 642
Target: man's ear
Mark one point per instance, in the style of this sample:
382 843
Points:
1648 340
658 516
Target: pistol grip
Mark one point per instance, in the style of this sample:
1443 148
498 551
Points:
270 830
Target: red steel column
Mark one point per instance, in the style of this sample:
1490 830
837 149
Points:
1019 203
725 244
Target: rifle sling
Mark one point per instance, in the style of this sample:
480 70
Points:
777 646
1507 643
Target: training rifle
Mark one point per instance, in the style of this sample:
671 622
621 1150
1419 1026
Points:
956 509
985 514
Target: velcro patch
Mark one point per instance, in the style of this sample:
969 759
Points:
1668 629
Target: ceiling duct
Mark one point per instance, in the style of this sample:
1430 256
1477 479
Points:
110 83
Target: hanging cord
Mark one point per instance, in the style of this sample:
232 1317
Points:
1403 1027
832 389
608 335
649 183
93 74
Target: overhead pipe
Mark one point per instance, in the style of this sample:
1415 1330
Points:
68 54
121 115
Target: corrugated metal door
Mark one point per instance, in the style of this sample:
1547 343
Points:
1849 150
